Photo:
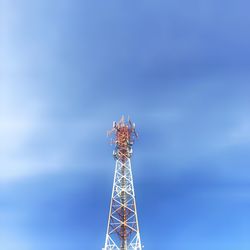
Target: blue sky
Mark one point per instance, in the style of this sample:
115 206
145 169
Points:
180 69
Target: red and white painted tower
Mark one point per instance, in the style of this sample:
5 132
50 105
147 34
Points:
123 229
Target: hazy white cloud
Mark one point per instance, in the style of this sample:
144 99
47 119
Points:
33 148
241 133
33 142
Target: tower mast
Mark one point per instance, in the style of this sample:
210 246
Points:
123 229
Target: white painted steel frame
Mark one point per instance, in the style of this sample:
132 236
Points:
114 222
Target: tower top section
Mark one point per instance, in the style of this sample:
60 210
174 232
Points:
123 136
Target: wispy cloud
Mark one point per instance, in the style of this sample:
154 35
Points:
240 134
33 142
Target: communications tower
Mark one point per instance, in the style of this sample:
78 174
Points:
123 229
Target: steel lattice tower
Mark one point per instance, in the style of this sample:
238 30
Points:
123 229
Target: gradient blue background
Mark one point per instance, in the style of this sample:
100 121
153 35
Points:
180 69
